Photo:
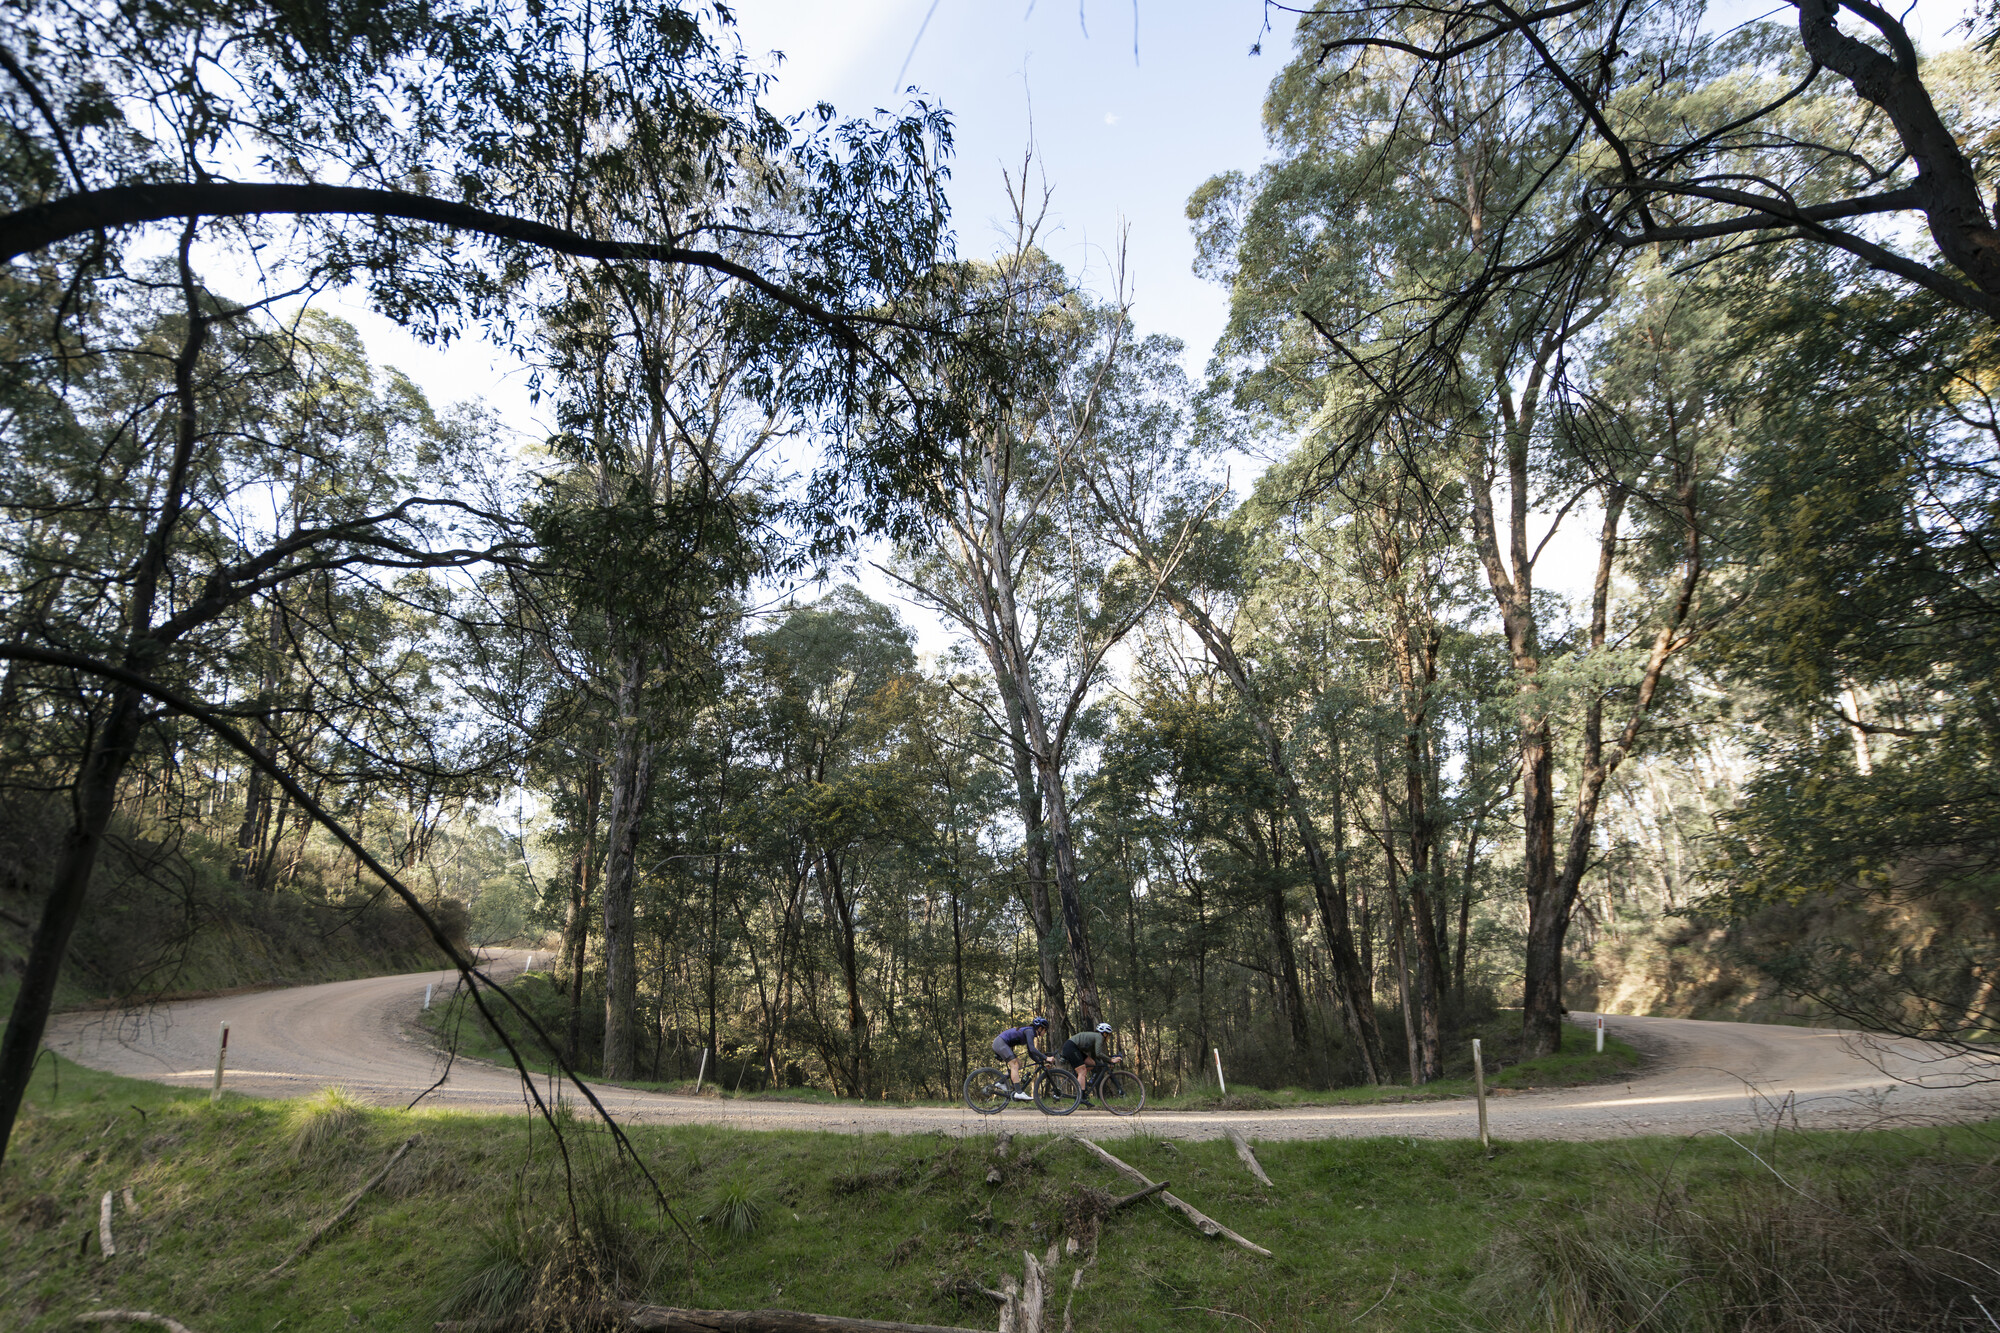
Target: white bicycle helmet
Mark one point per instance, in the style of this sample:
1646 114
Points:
1104 1028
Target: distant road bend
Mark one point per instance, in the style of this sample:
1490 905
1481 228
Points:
1700 1076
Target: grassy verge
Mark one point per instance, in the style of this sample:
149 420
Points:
1577 1064
1371 1234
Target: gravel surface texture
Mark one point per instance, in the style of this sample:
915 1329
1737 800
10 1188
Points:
1699 1077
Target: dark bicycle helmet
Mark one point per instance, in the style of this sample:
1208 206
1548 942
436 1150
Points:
1038 1022
1104 1027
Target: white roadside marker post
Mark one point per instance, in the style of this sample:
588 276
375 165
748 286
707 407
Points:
1600 1034
704 1071
1218 1072
427 995
221 1060
1479 1091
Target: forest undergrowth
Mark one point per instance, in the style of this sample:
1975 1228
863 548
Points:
456 1025
1790 1231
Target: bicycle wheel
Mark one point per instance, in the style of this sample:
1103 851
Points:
986 1091
1057 1091
1121 1093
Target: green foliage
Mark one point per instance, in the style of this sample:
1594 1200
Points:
1859 870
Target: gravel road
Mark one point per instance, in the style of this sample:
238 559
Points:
1699 1076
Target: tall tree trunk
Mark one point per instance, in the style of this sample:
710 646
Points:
714 953
1465 906
958 988
1365 935
1513 593
247 867
1397 939
1034 848
834 893
631 782
1415 664
576 930
1290 998
256 815
96 792
95 797
1069 893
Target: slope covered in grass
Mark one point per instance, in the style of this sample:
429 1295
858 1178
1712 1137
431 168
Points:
1384 1233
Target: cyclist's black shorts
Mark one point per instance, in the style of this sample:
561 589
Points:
1002 1049
1071 1055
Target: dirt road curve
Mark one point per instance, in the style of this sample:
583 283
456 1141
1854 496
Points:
1700 1076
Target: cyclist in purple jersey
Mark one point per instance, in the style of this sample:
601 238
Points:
1004 1044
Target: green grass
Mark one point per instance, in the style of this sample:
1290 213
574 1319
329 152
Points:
1577 1064
1397 1233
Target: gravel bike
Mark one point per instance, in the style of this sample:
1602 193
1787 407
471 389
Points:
987 1091
1117 1090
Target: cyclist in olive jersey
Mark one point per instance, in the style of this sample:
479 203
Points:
1082 1051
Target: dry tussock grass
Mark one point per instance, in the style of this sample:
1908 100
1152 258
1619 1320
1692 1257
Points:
1856 1246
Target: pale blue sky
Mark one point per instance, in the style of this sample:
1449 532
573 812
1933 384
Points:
1120 140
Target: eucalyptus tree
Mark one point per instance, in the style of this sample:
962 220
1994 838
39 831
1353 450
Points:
1354 602
653 521
1184 766
1157 503
831 673
217 468
1004 549
1344 255
947 746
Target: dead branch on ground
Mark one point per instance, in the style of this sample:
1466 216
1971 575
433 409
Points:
353 1200
1249 1158
133 1317
1205 1224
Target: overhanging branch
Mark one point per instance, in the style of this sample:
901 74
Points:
42 225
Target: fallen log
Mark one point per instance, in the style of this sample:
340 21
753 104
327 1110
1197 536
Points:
664 1319
104 1227
1205 1224
133 1317
1249 1157
353 1200
671 1319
